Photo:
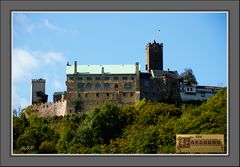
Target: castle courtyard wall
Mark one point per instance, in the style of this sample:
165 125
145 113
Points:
51 109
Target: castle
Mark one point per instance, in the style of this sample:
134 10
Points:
90 85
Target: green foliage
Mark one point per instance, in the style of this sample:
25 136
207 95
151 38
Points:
29 110
188 77
47 147
77 106
109 121
145 127
139 105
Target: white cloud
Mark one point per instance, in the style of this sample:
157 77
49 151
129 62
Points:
20 17
19 101
51 26
27 65
52 57
24 21
23 63
29 28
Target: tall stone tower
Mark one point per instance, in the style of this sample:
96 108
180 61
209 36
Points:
154 55
38 91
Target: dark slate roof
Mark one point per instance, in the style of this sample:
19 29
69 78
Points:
161 73
207 87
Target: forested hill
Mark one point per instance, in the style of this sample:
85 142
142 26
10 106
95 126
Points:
143 128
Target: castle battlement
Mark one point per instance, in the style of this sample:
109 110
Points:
51 108
49 103
39 80
154 43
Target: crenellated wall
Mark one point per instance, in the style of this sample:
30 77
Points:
51 109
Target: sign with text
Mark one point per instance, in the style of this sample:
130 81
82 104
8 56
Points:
200 143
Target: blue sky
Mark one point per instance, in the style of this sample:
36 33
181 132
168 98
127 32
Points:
44 42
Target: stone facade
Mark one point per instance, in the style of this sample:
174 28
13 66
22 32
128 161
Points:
91 85
51 109
154 56
160 86
38 91
57 96
93 89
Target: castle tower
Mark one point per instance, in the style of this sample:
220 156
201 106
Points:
154 55
38 91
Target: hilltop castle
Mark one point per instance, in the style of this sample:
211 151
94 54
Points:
90 85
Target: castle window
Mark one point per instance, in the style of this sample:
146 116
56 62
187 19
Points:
106 78
79 95
97 86
80 86
131 94
116 86
70 111
203 94
89 86
127 85
79 78
132 78
125 78
89 78
107 86
98 78
70 78
97 94
47 106
107 94
115 78
124 94
190 89
86 95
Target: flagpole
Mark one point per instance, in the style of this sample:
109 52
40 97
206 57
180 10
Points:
158 35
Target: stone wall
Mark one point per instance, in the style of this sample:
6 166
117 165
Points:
121 91
37 85
51 109
165 89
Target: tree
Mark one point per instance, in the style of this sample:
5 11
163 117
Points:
77 106
47 147
109 121
188 77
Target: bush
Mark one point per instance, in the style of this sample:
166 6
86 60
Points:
47 147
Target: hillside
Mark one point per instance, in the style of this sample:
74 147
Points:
144 128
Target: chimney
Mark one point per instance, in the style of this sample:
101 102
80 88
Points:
137 67
137 72
102 70
75 67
